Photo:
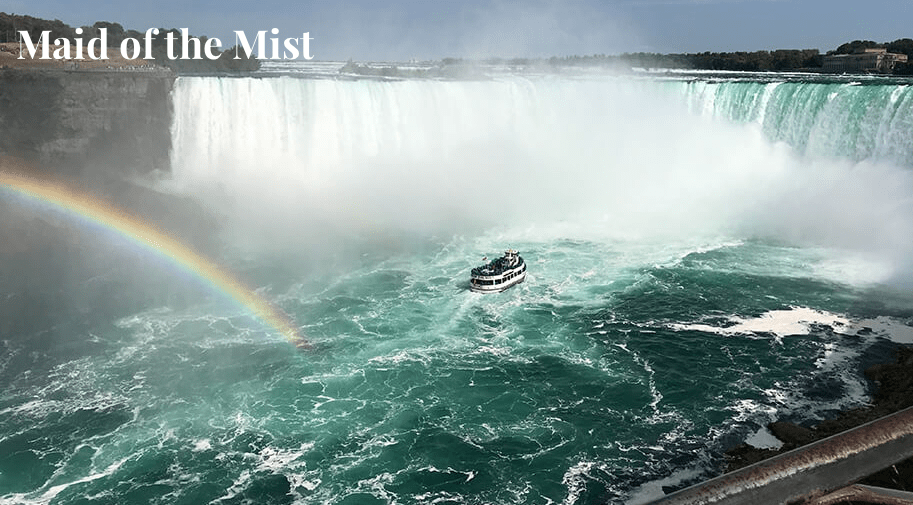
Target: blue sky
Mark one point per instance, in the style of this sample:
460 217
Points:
406 29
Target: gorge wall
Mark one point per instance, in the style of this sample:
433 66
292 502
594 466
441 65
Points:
98 132
87 123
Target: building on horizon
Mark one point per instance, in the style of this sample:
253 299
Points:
871 60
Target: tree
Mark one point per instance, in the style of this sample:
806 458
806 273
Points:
902 46
116 32
857 46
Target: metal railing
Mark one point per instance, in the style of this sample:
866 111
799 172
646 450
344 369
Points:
813 473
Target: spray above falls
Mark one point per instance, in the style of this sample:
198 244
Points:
806 162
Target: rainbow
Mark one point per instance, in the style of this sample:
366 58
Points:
144 234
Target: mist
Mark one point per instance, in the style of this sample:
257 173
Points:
287 163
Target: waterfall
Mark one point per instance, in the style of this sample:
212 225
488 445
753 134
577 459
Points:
870 120
820 161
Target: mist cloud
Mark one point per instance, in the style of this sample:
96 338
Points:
611 157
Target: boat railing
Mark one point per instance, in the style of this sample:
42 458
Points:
818 473
497 267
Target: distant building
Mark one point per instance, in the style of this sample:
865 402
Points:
873 60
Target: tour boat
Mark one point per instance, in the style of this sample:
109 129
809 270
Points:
499 274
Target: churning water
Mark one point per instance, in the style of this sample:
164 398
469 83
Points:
705 253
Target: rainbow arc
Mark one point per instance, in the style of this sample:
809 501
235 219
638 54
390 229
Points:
144 234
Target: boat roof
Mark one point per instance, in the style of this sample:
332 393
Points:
500 265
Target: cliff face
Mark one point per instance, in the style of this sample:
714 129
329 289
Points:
93 132
87 123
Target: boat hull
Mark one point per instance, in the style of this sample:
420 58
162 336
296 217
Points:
508 279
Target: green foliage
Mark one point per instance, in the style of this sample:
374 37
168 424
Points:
901 46
116 32
228 62
903 69
780 60
758 61
12 24
857 46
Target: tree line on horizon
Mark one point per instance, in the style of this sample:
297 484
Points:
781 60
12 24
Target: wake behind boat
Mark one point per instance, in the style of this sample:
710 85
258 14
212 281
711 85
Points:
499 274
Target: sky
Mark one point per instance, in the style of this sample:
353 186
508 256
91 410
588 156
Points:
402 30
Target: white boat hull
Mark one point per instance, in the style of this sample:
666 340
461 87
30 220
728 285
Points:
498 283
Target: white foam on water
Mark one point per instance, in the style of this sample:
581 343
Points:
900 332
48 496
763 439
800 320
36 407
747 409
238 486
653 490
833 362
202 445
277 459
576 477
781 323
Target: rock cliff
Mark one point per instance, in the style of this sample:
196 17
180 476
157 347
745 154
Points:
87 123
98 133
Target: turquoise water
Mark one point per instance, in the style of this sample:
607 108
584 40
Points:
692 277
851 117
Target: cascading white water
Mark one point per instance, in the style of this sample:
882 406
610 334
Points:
544 148
619 155
871 120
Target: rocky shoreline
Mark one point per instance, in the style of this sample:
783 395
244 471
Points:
893 392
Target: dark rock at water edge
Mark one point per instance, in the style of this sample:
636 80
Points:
894 392
790 434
